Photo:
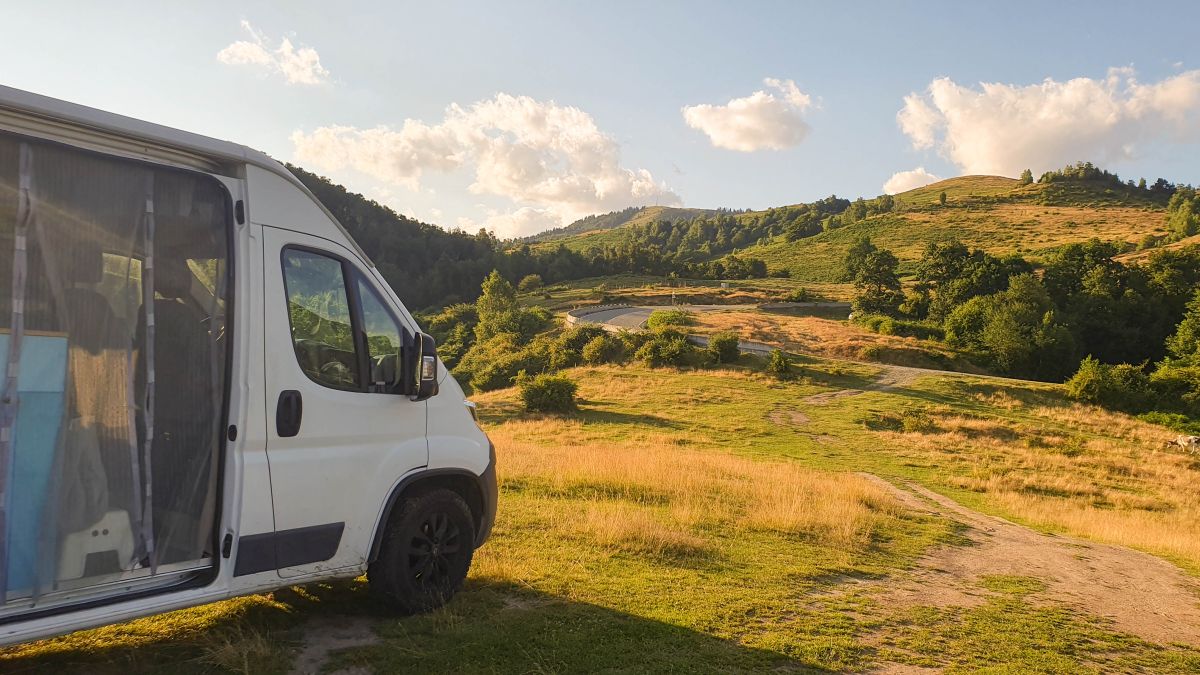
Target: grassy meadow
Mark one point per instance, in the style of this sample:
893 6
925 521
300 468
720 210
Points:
828 335
719 521
1028 228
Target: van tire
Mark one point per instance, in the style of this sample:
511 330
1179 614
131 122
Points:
425 553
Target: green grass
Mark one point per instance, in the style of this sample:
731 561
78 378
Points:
1013 631
989 212
641 570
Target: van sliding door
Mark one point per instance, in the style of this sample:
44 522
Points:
113 345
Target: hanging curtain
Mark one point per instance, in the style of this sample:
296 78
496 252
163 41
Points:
112 330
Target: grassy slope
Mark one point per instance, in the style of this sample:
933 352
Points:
609 555
603 235
983 212
991 212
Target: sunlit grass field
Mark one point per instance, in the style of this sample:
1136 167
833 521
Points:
715 521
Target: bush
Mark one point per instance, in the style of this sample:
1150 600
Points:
531 282
1121 387
779 365
567 349
798 295
548 393
495 364
1173 421
603 349
664 318
667 347
1177 388
723 347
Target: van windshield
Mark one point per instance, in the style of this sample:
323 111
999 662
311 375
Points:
113 322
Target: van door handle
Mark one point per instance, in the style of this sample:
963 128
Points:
288 413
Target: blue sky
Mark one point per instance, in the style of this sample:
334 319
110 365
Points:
568 108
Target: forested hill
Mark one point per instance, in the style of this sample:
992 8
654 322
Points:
429 266
432 267
608 221
425 264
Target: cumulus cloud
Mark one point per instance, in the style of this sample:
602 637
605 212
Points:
1005 128
552 161
297 66
903 181
761 121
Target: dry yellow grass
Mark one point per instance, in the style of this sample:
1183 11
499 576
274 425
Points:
1096 474
831 339
651 493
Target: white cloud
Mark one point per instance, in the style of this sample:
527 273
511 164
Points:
1005 128
903 181
298 66
760 121
521 222
552 161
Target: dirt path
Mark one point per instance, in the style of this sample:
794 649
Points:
1142 595
890 377
326 635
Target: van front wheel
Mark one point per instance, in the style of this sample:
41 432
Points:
425 553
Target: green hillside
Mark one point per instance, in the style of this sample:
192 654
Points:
807 241
993 213
581 234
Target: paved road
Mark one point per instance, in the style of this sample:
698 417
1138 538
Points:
635 317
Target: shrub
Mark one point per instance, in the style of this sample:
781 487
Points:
1122 387
548 393
567 349
1177 388
723 347
779 365
667 347
603 349
495 364
531 282
1173 421
798 295
664 318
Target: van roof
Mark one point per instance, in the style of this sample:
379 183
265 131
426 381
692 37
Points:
52 118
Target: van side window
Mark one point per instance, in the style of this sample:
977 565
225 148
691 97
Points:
383 334
319 310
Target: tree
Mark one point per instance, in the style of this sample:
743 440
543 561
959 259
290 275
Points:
498 297
530 282
1017 329
877 288
1184 345
855 257
1183 213
1141 183
1026 177
942 198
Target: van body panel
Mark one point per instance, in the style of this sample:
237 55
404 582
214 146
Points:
350 443
254 513
274 201
454 439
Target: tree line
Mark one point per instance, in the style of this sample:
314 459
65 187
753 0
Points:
431 267
1082 308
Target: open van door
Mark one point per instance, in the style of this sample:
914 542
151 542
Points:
340 431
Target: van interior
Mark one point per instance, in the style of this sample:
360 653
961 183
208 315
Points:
114 357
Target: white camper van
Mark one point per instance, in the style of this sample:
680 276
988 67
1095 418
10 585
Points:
206 388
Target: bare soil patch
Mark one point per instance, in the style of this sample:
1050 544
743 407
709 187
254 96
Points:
329 634
891 377
787 417
1141 594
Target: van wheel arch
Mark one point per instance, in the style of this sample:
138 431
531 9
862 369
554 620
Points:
460 481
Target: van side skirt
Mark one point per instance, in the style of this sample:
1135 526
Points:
287 548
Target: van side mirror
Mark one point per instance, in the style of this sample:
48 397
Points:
419 371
